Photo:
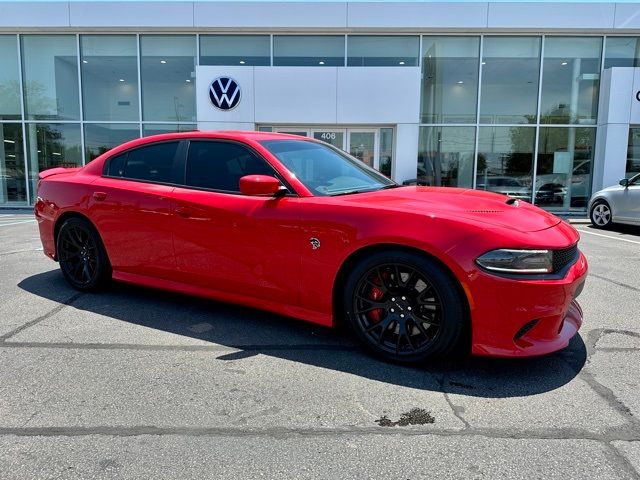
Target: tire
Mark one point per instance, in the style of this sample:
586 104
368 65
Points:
600 214
82 257
404 307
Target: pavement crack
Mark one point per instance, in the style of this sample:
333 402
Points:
619 434
615 282
619 459
41 318
456 409
609 397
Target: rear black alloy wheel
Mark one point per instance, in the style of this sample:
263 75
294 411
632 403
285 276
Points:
404 307
82 257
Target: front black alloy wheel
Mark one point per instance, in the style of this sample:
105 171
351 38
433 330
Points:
81 254
404 307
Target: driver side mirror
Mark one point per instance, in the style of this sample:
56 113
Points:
260 185
624 182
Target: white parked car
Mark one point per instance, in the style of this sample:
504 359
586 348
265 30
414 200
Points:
617 204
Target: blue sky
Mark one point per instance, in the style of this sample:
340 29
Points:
382 1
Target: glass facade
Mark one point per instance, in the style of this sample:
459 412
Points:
308 50
622 52
445 156
450 79
510 73
109 77
505 160
565 159
9 79
100 137
168 70
51 145
13 187
514 112
570 81
633 153
50 77
235 50
507 90
383 51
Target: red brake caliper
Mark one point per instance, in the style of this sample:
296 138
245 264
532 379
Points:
376 294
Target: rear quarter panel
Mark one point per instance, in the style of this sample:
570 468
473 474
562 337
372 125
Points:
56 195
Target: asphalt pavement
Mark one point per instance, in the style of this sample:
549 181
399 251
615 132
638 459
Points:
136 383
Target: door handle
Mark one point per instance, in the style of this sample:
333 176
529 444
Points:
99 196
184 212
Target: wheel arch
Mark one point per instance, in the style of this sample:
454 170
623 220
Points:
600 199
63 218
363 252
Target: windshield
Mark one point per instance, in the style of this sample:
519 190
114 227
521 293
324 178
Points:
325 170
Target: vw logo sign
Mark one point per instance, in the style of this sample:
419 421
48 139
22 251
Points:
224 93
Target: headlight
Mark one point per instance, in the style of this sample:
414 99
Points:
506 260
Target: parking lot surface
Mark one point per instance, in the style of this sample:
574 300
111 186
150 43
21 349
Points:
136 383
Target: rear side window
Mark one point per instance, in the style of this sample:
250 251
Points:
220 165
152 163
116 165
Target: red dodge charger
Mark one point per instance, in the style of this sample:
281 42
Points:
298 227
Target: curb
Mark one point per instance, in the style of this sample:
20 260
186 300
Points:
578 221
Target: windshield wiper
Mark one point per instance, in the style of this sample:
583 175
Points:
350 192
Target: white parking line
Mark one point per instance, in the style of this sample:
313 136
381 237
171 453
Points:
16 223
608 236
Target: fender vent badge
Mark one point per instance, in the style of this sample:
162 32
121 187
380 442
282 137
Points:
315 243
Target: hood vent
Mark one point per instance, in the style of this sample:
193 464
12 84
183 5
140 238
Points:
485 211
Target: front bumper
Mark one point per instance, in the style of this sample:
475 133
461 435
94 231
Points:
525 318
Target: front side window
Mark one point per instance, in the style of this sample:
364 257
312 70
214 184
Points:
326 170
220 165
153 163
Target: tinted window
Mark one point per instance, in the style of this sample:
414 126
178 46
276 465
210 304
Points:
326 170
115 167
219 165
152 163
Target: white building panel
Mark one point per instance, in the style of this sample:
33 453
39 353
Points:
545 16
131 14
378 95
34 14
417 15
268 15
627 15
295 95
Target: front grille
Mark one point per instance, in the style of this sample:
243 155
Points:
564 257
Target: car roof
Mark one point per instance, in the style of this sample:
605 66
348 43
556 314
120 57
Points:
246 135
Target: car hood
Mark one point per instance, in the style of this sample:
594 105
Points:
475 205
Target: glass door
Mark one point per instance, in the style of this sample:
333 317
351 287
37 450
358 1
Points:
363 144
373 146
332 136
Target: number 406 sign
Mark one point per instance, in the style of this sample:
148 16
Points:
328 135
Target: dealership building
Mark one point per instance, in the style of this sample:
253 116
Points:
536 100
